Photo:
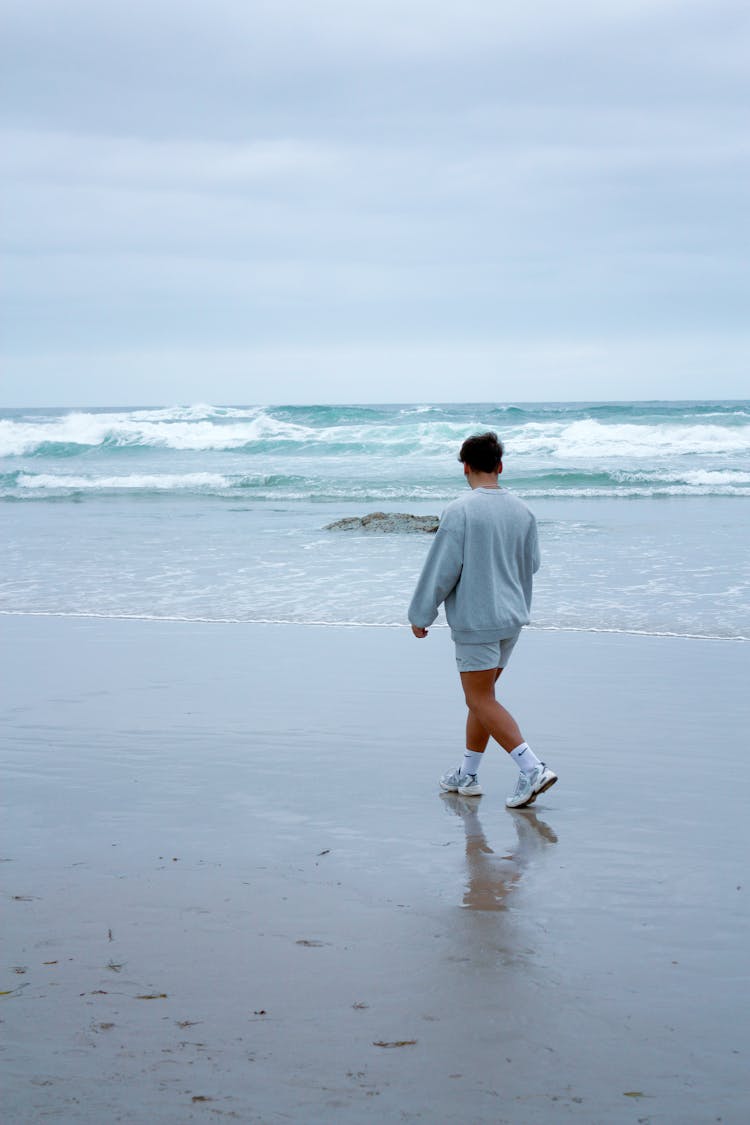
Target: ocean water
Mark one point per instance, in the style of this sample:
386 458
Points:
219 512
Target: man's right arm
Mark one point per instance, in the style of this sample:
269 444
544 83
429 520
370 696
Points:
534 546
440 573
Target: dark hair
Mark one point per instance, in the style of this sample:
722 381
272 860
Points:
482 452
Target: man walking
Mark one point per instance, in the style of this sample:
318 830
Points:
481 564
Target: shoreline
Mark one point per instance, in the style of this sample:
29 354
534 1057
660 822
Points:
531 628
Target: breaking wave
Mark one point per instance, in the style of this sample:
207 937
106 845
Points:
374 452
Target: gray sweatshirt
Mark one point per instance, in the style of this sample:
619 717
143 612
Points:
481 564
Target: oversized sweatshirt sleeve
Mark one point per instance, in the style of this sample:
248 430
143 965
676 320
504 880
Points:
440 573
534 545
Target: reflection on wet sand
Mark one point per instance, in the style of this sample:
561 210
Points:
491 878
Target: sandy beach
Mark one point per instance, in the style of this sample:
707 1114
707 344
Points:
231 888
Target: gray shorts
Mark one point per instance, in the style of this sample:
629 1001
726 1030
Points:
478 658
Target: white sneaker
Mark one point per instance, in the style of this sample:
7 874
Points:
454 781
530 785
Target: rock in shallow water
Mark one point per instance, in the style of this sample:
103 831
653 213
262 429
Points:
385 523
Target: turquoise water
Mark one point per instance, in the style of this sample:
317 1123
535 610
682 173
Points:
325 453
218 512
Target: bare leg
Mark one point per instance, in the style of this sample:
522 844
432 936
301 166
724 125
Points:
487 716
478 736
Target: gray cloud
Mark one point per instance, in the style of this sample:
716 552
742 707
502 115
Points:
306 184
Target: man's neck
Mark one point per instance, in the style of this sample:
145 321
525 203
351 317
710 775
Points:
482 480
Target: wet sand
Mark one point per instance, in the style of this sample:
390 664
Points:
232 890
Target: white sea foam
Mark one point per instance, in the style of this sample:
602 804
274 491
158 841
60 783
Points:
140 428
265 487
198 412
710 477
635 491
204 427
260 486
589 438
204 620
161 482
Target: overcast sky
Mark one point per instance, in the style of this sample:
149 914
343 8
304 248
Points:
403 200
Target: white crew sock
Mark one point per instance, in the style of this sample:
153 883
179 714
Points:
525 758
472 761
